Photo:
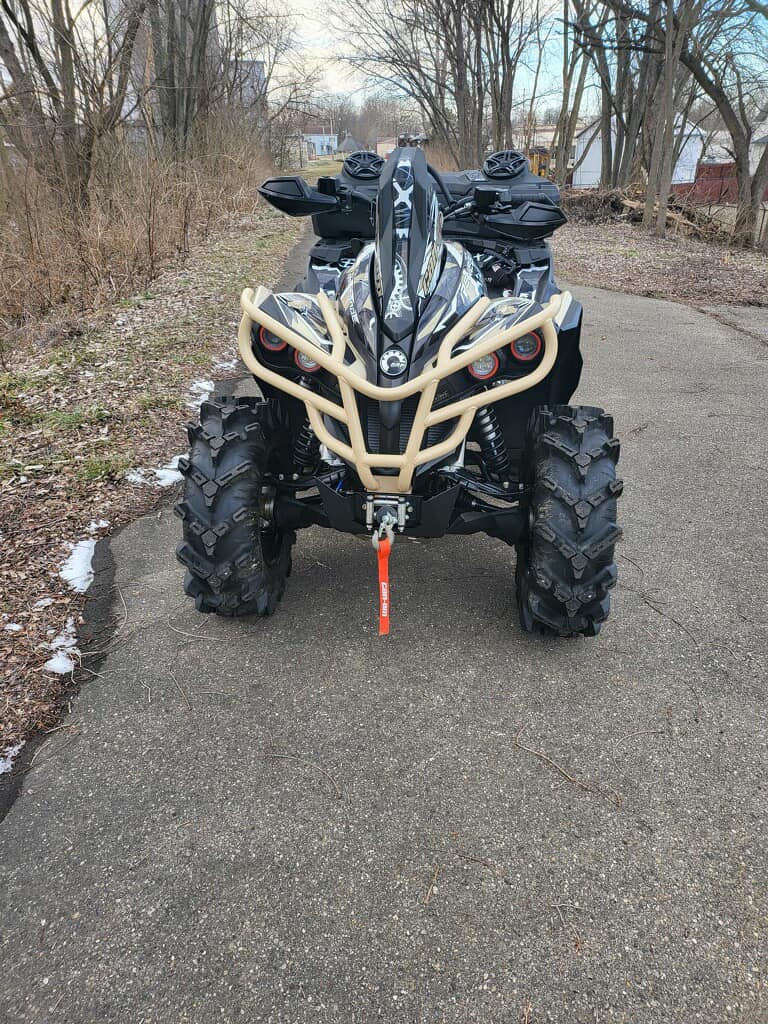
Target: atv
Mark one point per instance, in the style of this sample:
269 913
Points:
414 383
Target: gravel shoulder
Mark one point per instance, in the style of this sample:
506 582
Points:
295 820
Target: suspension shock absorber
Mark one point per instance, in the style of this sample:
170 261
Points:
492 442
306 451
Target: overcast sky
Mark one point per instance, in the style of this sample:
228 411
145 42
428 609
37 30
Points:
319 45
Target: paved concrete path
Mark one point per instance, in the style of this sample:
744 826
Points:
294 821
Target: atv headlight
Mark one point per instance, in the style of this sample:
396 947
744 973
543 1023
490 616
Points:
305 362
484 367
270 341
527 347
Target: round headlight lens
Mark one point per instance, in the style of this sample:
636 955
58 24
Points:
527 347
484 367
270 341
306 362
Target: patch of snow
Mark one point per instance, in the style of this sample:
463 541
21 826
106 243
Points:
198 392
60 663
98 524
162 476
7 758
44 602
13 627
78 570
138 477
169 473
65 650
224 364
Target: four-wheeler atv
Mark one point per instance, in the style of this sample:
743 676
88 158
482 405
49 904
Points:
413 384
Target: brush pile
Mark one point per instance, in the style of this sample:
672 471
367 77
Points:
607 206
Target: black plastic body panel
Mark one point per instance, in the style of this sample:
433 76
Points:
294 196
525 222
355 216
525 188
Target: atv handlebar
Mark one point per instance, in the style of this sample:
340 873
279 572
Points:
495 210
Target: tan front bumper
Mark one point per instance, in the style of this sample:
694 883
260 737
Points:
352 379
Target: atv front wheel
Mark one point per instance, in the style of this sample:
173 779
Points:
237 560
565 565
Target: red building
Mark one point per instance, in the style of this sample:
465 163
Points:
715 184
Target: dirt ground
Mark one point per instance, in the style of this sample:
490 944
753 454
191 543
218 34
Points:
621 257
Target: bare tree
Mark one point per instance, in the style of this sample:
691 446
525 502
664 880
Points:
627 65
728 57
508 30
182 37
724 49
673 27
67 74
455 60
339 114
575 66
382 114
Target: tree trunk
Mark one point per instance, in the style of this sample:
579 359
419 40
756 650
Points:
654 175
751 190
606 137
567 132
163 47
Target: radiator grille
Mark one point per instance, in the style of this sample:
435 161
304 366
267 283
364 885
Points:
372 426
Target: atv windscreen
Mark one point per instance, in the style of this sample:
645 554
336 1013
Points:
409 243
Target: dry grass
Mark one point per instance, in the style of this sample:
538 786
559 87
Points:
143 212
82 404
440 157
326 167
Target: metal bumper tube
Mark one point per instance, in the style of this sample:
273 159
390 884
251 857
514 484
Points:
350 380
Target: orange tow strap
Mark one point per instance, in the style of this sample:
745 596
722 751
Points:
383 550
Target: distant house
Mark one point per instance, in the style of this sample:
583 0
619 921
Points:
759 142
588 155
248 80
716 180
537 142
320 143
526 137
719 147
293 150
